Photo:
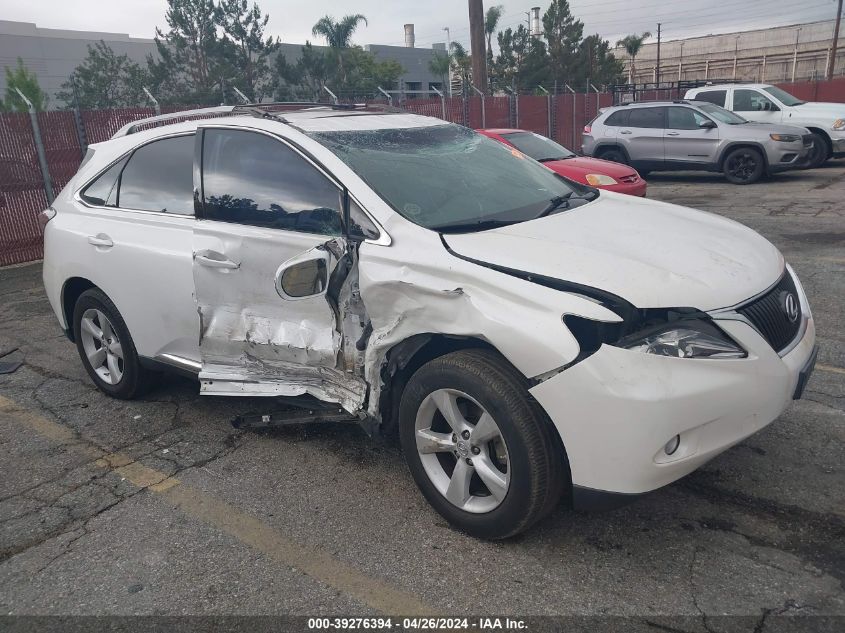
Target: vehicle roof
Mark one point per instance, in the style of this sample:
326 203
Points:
725 86
646 104
501 130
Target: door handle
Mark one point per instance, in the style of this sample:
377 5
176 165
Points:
673 133
213 259
625 132
100 239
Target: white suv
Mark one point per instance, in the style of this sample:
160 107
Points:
530 338
765 103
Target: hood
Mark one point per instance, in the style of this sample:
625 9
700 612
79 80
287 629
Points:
762 130
577 168
653 254
816 110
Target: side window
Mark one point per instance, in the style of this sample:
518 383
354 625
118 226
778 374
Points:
712 96
678 118
359 224
250 178
618 118
751 101
103 192
160 177
646 117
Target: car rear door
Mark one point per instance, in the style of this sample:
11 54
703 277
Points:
685 141
642 136
134 233
266 256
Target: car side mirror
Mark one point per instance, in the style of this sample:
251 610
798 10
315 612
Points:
303 276
707 124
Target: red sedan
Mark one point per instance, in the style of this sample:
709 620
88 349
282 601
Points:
602 174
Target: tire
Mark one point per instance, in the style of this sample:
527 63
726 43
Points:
744 166
527 452
819 152
119 374
615 155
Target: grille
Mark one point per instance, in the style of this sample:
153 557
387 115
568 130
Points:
631 178
807 139
768 314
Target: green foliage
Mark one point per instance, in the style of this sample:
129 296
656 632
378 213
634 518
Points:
439 65
246 48
491 22
632 45
338 33
104 80
20 77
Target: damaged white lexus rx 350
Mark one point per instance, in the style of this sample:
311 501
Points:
529 338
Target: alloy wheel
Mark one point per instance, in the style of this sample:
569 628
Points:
102 346
462 451
742 166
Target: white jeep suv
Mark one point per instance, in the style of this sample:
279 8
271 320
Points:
528 337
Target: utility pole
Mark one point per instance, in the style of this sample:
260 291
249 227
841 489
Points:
795 53
657 70
449 55
681 61
832 61
478 47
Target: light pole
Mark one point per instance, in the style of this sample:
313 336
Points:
449 56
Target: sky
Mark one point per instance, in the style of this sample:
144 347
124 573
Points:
292 20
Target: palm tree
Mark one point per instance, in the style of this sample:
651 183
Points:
439 65
491 21
338 34
632 45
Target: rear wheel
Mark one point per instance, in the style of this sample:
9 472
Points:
744 166
478 446
819 152
615 155
106 347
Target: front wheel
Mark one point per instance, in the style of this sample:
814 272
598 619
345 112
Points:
744 166
614 155
478 446
819 152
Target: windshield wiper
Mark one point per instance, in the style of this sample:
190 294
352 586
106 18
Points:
556 203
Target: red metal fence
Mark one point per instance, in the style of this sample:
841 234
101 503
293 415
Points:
22 190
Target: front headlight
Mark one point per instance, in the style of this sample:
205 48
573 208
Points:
839 125
684 339
785 138
600 179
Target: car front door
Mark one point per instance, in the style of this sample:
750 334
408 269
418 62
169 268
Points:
266 269
643 136
754 105
690 137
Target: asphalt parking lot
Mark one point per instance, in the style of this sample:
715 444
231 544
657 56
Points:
160 506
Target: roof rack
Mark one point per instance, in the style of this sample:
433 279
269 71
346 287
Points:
270 110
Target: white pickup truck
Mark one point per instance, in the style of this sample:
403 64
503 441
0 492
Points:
770 104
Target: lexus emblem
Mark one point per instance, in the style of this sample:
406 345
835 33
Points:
789 304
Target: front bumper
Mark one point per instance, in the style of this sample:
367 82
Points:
631 189
786 156
617 409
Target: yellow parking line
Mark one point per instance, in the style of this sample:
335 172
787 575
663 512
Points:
830 368
375 593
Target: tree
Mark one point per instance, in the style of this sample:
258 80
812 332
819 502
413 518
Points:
244 27
308 74
491 22
439 66
563 34
104 80
338 34
522 61
632 45
597 62
461 63
20 77
191 64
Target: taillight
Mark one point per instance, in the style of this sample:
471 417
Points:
587 129
45 216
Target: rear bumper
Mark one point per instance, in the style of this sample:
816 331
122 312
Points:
616 410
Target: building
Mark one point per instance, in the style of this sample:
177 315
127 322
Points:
53 54
796 52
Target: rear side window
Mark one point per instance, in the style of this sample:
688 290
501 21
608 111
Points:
103 191
620 117
160 177
250 178
646 117
712 96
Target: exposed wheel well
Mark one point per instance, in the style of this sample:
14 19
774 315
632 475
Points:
603 149
825 136
735 146
73 287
